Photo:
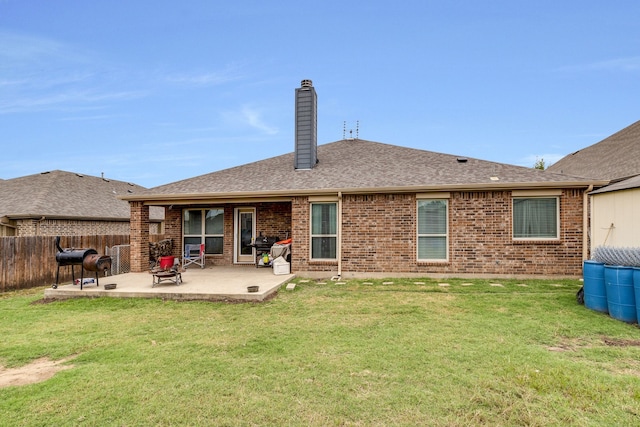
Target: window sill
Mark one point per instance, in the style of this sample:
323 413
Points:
323 262
537 242
433 262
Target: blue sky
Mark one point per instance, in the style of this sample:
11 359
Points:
153 92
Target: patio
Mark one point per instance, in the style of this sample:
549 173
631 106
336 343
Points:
217 283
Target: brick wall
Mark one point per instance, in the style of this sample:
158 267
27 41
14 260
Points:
64 227
379 236
173 228
378 232
139 239
300 237
274 219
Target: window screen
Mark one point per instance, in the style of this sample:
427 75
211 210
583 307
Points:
535 218
324 226
432 229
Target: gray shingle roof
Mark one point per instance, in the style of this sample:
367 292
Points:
614 158
627 184
61 194
359 165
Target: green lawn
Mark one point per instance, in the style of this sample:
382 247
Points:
362 353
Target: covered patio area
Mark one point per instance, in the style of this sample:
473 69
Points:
218 283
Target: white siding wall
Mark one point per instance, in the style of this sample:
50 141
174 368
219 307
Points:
620 208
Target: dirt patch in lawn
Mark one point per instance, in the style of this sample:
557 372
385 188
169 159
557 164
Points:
37 371
620 342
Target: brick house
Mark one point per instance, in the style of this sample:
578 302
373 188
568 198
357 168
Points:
70 204
363 208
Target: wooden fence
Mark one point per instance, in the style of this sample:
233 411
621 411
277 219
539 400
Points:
27 262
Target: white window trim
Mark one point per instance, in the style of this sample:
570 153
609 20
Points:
322 201
530 195
446 235
202 235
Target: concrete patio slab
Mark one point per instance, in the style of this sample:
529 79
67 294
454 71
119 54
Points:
217 283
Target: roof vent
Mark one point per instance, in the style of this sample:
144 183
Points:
306 83
462 160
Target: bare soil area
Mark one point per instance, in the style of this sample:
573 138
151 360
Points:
37 371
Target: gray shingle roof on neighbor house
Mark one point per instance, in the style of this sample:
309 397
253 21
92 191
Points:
356 165
614 158
627 184
59 194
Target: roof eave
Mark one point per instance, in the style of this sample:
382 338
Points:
42 217
287 194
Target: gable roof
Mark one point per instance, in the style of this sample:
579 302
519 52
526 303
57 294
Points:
614 158
358 166
68 195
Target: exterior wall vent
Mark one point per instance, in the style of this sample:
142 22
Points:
306 132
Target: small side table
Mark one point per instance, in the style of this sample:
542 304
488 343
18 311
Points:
167 276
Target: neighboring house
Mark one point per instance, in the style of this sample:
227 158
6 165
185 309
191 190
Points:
615 158
614 208
66 203
356 207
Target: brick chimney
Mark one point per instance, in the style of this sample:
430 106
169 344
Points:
306 152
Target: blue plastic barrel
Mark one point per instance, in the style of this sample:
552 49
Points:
595 291
621 296
636 286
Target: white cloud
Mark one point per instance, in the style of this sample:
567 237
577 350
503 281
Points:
203 79
631 63
231 72
251 117
254 119
43 74
23 51
63 101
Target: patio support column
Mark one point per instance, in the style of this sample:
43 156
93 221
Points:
139 237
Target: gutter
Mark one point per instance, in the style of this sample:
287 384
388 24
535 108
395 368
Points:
586 231
339 242
286 195
39 218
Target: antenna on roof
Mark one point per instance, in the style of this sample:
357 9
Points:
344 130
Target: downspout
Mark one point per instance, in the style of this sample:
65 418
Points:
585 223
339 242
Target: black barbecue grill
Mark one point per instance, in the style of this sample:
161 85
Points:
263 245
87 259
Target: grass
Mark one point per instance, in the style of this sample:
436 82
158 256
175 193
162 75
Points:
364 353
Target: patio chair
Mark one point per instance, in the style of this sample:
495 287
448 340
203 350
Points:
193 254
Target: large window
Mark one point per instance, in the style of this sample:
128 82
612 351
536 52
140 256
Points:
432 230
324 230
204 226
535 218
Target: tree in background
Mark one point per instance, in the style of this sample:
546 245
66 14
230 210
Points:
539 164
